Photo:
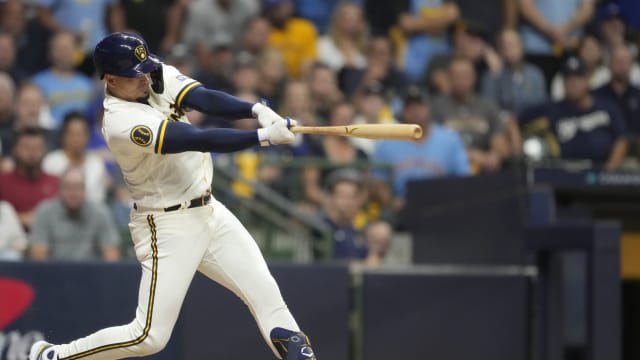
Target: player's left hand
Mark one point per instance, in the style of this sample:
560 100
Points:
276 133
266 116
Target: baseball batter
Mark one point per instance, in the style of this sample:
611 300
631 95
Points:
176 225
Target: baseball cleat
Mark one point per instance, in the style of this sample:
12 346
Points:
42 350
292 345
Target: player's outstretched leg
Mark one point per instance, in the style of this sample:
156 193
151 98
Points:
235 261
292 345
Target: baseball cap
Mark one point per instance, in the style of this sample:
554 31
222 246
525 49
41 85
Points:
573 65
221 40
345 174
415 95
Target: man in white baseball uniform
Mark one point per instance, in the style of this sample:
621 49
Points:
177 227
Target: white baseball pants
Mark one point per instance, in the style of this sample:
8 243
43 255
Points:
171 247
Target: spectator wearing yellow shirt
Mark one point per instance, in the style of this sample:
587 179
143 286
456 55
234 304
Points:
295 38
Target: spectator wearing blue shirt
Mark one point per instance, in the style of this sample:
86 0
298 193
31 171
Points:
439 152
581 127
550 27
64 88
514 84
89 20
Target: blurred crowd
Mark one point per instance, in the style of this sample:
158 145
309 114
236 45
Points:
491 82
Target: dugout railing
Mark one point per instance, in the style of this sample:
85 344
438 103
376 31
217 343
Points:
284 225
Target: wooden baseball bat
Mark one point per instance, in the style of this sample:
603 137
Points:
408 132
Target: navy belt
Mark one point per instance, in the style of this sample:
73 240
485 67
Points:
196 202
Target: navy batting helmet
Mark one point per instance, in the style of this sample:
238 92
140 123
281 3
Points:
124 54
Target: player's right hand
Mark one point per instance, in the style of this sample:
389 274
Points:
266 116
277 133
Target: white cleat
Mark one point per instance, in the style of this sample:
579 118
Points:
42 350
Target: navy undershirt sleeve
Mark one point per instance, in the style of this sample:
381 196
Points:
179 137
217 103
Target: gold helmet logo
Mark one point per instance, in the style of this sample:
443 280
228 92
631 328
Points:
140 52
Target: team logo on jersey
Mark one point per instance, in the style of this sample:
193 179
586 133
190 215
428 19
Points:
141 135
140 52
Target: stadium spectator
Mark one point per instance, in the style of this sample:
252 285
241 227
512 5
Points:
30 40
70 227
439 152
477 119
325 94
295 38
273 77
469 41
582 126
159 22
254 40
590 52
74 137
8 62
207 19
346 40
380 70
612 31
551 27
298 105
88 21
31 110
378 236
515 84
64 88
424 29
346 197
620 90
13 241
27 185
337 151
246 77
372 109
217 71
610 26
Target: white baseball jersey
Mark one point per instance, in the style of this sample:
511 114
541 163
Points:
135 133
